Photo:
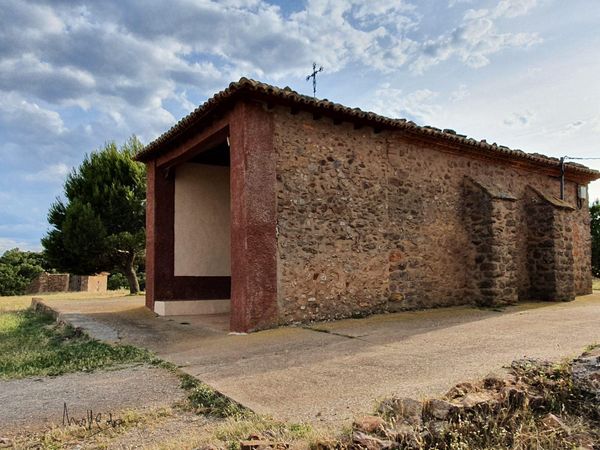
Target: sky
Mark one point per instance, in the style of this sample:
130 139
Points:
76 74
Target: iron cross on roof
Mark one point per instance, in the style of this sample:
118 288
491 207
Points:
313 75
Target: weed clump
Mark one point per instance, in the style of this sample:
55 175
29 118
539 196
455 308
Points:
205 400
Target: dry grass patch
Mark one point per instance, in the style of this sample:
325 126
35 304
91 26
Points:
230 432
177 428
96 435
19 302
596 284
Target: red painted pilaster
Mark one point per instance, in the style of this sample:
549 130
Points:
164 233
150 233
159 234
253 219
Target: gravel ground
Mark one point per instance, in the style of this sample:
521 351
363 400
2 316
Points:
32 404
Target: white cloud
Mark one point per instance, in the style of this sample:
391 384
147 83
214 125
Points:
9 244
341 33
453 3
34 23
514 8
124 62
129 59
477 38
522 119
573 127
418 105
258 38
460 93
22 119
76 73
47 82
54 173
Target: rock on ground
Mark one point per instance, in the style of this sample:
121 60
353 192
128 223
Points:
586 372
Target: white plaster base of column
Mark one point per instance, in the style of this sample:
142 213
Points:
191 307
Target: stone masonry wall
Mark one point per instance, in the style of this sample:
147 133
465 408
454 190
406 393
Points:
582 251
88 283
490 220
64 282
564 274
378 221
332 221
550 254
540 248
49 282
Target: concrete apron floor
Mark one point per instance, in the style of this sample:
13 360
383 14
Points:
327 373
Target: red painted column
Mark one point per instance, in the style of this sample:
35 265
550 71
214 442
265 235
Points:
253 219
164 234
159 234
150 232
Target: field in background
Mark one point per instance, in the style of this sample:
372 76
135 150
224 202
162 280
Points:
19 302
596 284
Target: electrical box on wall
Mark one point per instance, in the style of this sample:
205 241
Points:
582 192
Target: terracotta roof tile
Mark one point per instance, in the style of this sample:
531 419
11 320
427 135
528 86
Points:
251 88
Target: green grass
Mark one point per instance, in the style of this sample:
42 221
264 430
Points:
32 344
205 400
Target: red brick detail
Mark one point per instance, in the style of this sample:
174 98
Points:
150 233
253 219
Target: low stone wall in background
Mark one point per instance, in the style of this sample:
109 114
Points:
64 282
88 283
49 282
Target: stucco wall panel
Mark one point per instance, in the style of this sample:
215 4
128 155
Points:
202 220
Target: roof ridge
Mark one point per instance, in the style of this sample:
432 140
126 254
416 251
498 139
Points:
248 84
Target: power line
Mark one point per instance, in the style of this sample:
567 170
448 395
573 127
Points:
578 158
562 171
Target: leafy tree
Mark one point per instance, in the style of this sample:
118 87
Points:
116 280
101 224
595 215
17 269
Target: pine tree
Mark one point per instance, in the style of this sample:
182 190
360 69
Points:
100 226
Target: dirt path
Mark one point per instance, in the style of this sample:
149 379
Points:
33 404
